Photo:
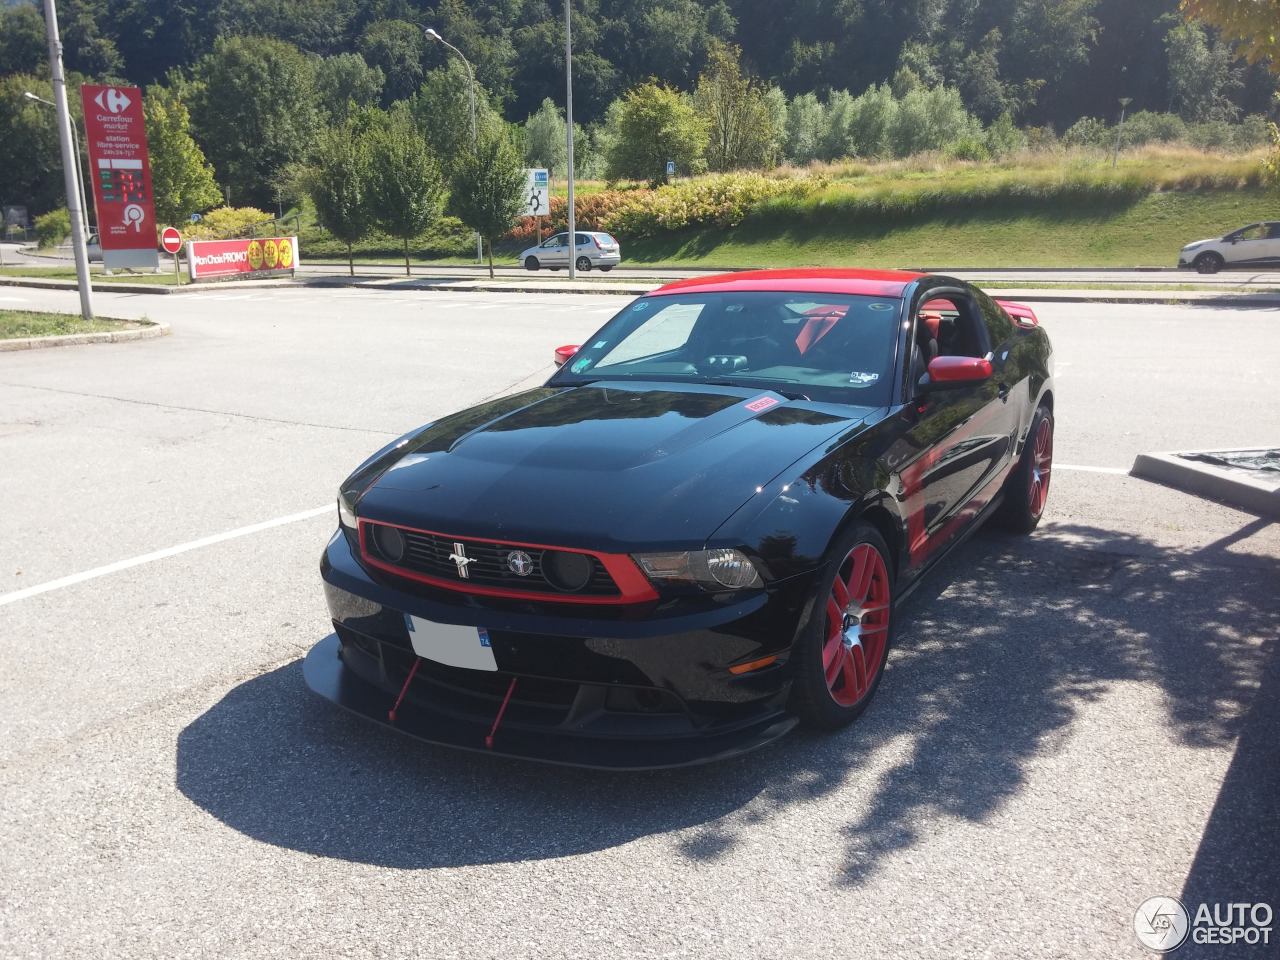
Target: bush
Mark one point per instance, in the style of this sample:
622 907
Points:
1087 132
719 201
1146 127
226 223
1003 137
53 227
968 147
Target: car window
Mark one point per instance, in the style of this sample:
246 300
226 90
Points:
606 238
556 241
1273 231
838 348
1255 231
582 238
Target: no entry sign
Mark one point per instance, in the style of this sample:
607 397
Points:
120 171
171 239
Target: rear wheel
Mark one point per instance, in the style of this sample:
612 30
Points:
605 269
1209 262
584 264
531 263
841 657
1027 489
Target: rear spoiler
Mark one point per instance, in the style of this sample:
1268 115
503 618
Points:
1022 315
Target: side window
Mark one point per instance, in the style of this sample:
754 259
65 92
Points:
1000 328
582 239
556 241
1273 231
954 324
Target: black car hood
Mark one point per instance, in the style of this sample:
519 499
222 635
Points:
603 466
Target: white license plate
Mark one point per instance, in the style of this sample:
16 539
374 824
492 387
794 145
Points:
450 644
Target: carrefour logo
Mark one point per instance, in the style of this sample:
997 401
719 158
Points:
113 100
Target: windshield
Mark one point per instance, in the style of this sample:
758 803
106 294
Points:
831 347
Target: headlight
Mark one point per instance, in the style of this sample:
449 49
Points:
713 570
346 512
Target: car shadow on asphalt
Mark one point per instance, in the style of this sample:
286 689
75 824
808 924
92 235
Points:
1011 640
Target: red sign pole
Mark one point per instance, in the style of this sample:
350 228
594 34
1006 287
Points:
120 169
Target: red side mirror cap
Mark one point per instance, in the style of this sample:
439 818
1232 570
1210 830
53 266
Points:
563 354
945 370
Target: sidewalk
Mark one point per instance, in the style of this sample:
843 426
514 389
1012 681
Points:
620 288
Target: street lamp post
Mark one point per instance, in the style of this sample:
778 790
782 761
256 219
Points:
471 89
1124 102
568 136
75 136
68 162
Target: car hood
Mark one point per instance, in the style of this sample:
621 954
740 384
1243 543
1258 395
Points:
1200 243
602 466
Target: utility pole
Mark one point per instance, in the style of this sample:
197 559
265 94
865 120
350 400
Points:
568 110
1124 103
68 160
471 89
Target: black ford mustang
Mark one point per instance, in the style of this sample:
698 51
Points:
698 533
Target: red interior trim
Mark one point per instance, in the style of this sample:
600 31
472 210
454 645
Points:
632 585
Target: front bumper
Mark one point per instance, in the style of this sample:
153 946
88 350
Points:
630 688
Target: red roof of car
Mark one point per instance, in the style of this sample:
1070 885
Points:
870 283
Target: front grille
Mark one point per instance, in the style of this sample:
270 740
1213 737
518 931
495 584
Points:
428 553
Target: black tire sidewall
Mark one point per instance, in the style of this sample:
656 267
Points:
1208 263
531 263
584 264
810 697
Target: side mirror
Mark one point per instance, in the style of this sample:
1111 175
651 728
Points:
565 353
950 373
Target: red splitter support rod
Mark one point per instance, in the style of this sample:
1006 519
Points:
391 714
497 721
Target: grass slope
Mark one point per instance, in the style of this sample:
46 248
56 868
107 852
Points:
1146 232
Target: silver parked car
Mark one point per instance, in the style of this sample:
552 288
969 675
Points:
592 250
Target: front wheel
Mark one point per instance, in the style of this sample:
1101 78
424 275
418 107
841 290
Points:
531 263
1209 263
1027 489
584 264
841 657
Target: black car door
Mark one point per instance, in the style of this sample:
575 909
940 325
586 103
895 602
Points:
957 448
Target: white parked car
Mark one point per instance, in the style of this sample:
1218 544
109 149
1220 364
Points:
1257 245
592 250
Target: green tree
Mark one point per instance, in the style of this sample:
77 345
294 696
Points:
806 122
487 190
338 184
22 42
346 80
396 48
442 110
655 123
406 189
253 106
181 178
741 127
544 138
1253 25
29 152
1200 75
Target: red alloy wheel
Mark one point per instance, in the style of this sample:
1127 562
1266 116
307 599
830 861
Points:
1041 467
858 612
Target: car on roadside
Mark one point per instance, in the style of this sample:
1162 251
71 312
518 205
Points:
699 532
1257 245
93 247
592 249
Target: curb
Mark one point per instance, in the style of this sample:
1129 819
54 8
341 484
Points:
39 283
153 330
1207 480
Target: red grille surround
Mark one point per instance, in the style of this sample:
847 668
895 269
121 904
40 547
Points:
632 585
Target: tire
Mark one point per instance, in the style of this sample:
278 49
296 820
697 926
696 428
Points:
1208 263
605 269
584 264
531 263
1027 489
553 268
838 663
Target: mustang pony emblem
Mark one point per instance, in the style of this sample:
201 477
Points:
459 556
519 563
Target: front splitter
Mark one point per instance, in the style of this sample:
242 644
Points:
327 675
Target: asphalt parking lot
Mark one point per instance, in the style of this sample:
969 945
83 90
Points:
1070 724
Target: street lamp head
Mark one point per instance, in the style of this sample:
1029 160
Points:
431 32
29 95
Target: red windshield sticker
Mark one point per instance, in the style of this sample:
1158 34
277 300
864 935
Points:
762 403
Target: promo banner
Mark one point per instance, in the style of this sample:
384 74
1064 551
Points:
218 259
120 171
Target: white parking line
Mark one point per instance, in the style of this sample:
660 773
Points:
1119 471
160 555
